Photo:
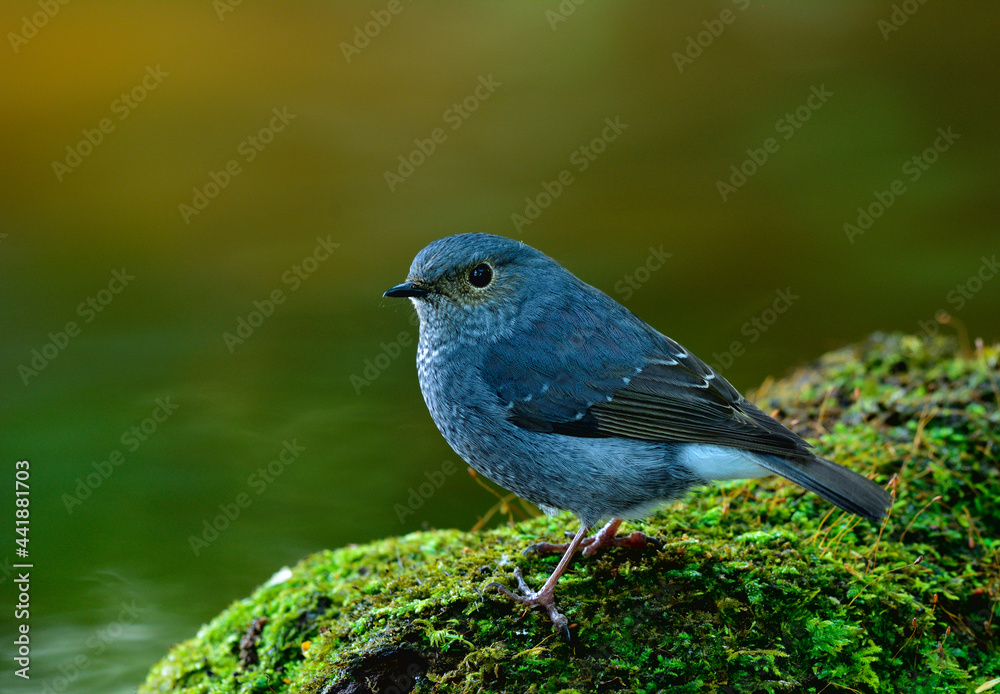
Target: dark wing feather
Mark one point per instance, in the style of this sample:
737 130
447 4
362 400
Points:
687 402
572 375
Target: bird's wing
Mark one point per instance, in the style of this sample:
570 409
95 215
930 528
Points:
569 375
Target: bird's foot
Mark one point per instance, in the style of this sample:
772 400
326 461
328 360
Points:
605 537
541 598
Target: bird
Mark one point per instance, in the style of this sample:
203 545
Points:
555 391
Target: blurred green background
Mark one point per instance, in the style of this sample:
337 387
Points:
163 97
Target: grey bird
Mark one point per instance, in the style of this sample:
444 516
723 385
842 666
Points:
555 391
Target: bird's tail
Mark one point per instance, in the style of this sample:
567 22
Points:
844 488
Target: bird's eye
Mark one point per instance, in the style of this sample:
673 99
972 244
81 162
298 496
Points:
481 275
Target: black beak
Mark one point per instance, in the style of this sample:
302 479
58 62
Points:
406 289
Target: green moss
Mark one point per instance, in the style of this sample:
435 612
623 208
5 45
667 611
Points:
760 587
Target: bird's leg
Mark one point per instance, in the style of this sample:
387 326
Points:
545 597
605 537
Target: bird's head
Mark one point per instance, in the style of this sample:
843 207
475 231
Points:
477 286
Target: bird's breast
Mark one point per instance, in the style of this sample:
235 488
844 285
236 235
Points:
467 413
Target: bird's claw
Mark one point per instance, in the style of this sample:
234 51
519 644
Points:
634 539
532 598
605 537
544 548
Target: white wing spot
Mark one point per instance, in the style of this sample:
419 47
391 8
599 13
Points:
578 416
545 389
528 399
665 362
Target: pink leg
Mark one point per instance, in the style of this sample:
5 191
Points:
546 596
605 537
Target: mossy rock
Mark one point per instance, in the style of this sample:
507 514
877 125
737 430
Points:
760 587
